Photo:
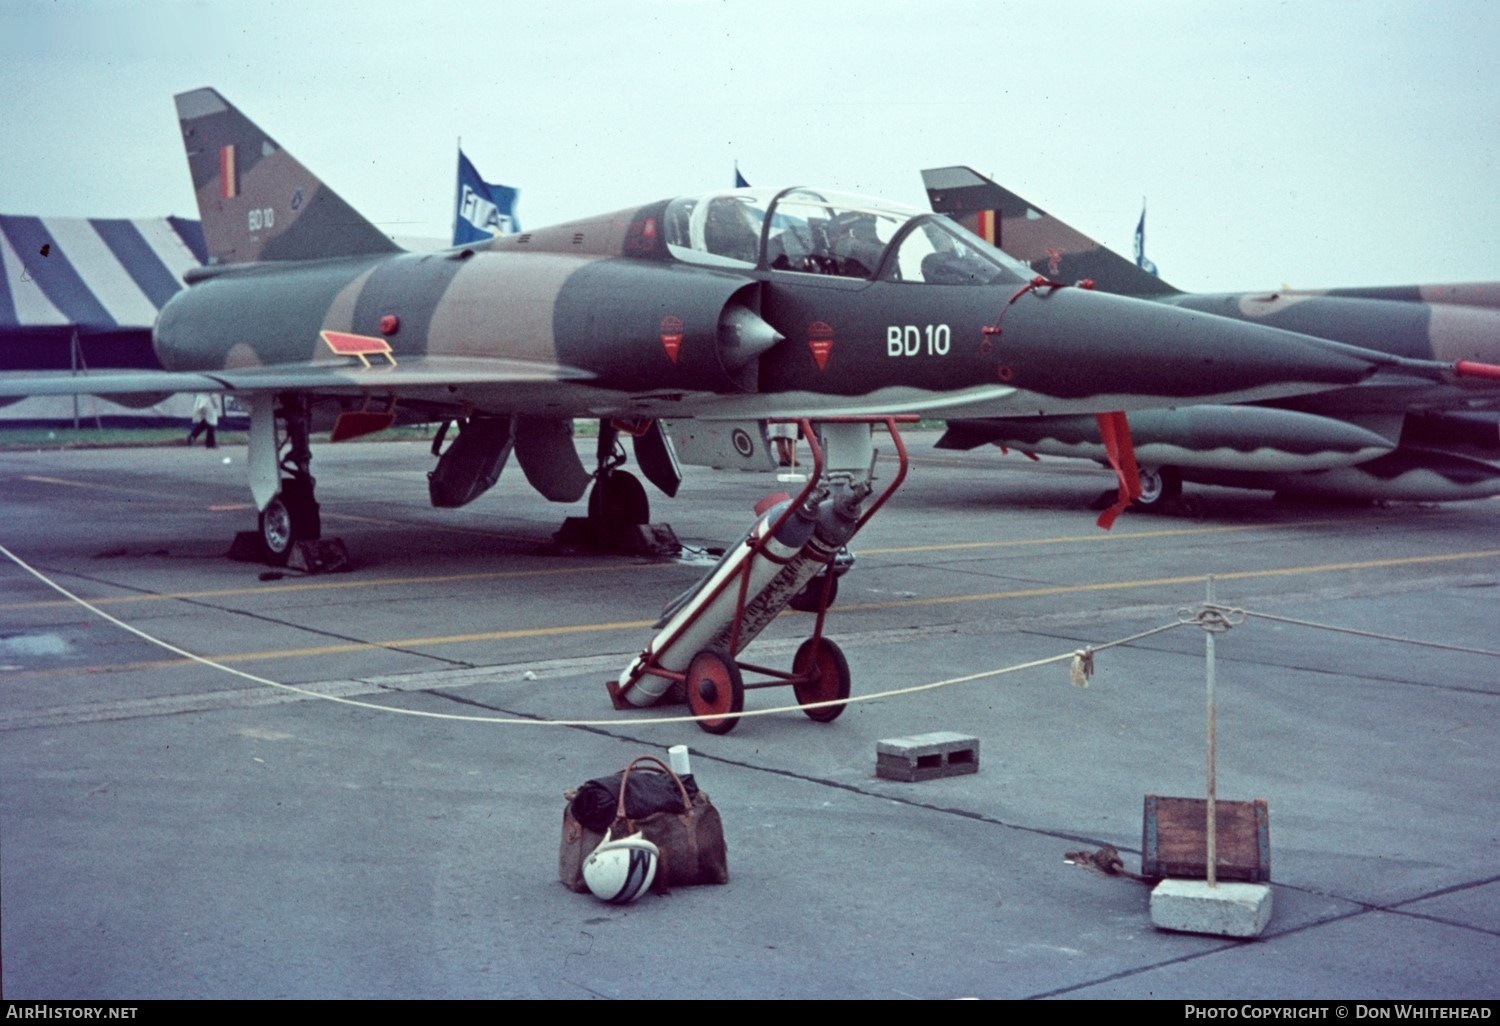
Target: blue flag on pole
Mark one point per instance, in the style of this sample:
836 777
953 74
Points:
1140 244
484 208
739 179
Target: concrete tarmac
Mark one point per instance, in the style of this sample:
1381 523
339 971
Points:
171 830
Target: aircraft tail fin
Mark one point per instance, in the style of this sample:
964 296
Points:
257 202
1033 236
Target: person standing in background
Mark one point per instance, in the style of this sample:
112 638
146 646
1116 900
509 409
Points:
205 418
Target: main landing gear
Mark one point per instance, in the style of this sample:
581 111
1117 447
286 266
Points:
291 516
280 480
1159 485
1161 492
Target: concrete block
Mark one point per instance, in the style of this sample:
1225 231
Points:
927 756
1227 910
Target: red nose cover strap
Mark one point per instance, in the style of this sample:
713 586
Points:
1114 429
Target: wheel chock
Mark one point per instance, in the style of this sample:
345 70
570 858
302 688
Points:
633 539
247 547
323 556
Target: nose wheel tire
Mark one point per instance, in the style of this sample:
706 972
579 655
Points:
619 499
827 672
716 689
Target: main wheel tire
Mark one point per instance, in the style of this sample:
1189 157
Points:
715 688
276 531
823 662
618 500
291 516
1158 486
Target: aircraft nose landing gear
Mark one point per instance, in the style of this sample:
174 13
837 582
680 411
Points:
616 501
619 517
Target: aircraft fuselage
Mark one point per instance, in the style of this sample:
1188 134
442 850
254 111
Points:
666 333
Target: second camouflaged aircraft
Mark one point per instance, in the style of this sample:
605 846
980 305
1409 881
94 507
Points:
734 306
1392 437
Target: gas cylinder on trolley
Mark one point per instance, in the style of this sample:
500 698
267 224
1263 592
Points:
781 552
837 518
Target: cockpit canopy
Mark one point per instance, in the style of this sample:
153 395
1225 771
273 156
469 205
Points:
813 232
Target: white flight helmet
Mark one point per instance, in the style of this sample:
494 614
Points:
621 871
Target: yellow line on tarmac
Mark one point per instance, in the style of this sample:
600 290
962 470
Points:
239 506
1158 582
321 585
1098 536
572 629
426 526
1094 536
449 639
327 514
339 649
324 585
59 481
503 575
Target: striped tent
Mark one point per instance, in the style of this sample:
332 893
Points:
82 294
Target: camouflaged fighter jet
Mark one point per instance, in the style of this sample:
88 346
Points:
1391 437
734 306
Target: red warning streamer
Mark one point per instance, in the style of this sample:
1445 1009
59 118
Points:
1114 429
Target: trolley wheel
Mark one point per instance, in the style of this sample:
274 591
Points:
824 662
715 688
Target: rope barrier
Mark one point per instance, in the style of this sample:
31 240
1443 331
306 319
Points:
1218 619
1213 618
1210 617
539 721
1371 634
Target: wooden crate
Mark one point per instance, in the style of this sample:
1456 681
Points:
1174 839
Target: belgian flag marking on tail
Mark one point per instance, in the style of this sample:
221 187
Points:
229 178
986 226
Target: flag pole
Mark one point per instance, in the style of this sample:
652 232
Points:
457 194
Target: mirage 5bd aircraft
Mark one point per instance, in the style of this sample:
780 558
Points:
734 306
1393 436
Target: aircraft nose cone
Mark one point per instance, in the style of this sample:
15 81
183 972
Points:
743 336
1076 344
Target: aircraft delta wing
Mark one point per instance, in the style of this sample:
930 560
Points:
736 305
1394 436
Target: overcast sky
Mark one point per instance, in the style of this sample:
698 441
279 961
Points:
1311 144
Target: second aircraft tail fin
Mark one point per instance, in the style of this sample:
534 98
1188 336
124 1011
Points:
1033 236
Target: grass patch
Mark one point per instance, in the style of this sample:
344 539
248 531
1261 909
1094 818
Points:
33 438
30 439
